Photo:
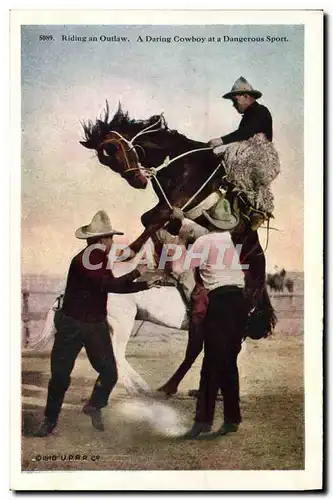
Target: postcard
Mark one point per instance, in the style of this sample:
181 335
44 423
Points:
167 309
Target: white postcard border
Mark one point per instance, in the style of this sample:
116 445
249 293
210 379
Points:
310 478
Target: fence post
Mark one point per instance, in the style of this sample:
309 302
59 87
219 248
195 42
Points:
25 315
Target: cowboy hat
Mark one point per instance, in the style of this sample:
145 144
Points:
242 86
221 216
99 226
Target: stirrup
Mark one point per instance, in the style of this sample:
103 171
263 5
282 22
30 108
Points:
257 217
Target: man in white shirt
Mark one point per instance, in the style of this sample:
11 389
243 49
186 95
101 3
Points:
217 261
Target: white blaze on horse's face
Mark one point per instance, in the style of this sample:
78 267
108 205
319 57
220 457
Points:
128 165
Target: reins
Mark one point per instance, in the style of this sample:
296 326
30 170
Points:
151 173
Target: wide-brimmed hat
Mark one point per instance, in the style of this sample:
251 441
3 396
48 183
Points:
99 226
221 216
242 86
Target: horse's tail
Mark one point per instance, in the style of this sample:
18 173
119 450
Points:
269 311
45 335
262 320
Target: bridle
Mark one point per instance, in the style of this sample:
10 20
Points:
151 172
120 141
132 146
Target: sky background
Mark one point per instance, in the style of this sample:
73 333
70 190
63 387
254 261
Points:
63 83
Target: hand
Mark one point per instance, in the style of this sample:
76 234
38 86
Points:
142 268
214 143
155 282
187 235
120 255
177 213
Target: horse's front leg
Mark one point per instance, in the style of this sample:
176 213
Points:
153 220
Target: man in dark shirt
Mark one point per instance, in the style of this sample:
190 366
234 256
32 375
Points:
256 117
81 322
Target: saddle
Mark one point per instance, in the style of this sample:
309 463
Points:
239 207
253 216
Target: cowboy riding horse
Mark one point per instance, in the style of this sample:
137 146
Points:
185 174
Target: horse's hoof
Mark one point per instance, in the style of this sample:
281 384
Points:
167 390
194 393
161 396
145 391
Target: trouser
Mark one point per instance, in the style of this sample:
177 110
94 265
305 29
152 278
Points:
224 328
199 304
255 276
70 337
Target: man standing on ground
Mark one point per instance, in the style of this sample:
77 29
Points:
223 326
81 322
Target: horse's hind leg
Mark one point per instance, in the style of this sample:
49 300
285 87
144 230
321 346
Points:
193 349
121 333
199 304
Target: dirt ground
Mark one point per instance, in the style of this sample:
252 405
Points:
271 436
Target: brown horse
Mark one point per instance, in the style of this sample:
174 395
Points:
132 148
179 181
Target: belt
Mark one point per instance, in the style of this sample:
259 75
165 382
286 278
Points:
221 290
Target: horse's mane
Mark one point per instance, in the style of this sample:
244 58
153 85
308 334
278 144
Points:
95 132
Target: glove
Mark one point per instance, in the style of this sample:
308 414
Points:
177 213
155 282
214 143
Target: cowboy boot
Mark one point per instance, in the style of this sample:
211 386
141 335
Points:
197 429
45 429
95 414
168 389
193 393
226 428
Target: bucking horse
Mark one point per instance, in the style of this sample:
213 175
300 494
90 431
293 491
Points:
184 173
137 150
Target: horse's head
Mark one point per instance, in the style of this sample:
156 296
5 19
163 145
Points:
117 152
116 145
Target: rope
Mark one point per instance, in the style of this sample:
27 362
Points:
271 228
200 189
162 191
153 171
147 130
267 238
181 156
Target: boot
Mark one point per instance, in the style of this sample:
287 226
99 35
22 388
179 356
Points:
45 429
193 393
168 389
227 428
96 416
197 429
